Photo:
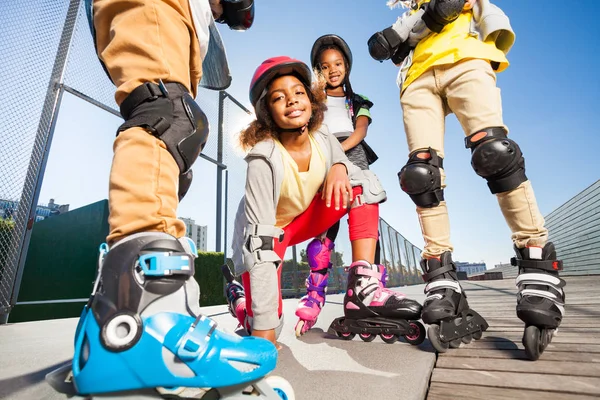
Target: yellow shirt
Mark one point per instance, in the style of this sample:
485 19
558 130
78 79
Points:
299 188
452 44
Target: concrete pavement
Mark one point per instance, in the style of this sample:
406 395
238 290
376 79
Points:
318 365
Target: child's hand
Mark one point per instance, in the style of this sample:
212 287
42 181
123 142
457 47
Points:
338 185
469 4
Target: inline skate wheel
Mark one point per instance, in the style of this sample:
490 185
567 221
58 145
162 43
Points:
533 342
346 335
389 338
282 387
477 335
433 332
467 339
455 344
367 337
299 327
418 334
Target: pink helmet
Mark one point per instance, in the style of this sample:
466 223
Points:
273 67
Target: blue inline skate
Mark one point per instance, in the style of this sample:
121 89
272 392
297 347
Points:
142 336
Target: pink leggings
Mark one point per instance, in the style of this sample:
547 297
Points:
362 220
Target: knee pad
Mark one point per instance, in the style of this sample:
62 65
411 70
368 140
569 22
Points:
168 112
439 13
143 274
258 245
496 158
421 179
318 253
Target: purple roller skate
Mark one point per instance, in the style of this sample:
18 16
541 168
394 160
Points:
318 252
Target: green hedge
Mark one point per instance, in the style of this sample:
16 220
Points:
209 276
62 262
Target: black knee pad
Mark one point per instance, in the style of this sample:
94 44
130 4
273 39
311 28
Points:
496 158
439 13
421 178
168 112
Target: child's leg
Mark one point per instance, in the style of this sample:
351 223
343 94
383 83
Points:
473 96
424 113
143 42
424 124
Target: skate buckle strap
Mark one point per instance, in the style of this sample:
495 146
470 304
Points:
547 265
368 272
442 270
194 343
540 279
258 230
164 264
319 289
443 284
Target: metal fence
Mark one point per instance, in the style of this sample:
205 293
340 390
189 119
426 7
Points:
46 50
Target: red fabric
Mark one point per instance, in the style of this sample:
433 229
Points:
363 223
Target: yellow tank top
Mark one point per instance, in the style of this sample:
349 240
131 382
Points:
299 188
453 44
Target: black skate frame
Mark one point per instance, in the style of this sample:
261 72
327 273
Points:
451 330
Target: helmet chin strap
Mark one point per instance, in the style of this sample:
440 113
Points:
299 131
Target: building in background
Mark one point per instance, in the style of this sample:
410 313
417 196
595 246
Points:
574 228
470 268
503 265
195 232
8 208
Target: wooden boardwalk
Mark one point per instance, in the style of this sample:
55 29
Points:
496 367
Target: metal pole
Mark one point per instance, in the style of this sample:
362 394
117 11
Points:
43 140
225 216
295 271
220 169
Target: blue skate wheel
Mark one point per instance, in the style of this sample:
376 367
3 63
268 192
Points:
282 387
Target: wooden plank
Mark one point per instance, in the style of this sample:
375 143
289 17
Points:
539 367
509 345
467 351
517 380
445 391
563 338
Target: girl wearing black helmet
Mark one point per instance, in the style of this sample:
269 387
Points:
347 118
299 182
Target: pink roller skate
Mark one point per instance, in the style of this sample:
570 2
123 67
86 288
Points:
318 252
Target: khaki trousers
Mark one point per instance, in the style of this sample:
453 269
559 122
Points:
467 89
145 41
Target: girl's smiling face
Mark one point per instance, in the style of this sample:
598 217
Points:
288 102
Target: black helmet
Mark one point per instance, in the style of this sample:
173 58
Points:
328 40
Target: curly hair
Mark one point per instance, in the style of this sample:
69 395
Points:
264 127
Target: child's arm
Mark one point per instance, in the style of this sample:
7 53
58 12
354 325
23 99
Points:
396 41
360 132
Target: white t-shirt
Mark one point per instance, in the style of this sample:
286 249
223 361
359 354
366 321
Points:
337 117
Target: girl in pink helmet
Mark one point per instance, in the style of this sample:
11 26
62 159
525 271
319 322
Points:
299 183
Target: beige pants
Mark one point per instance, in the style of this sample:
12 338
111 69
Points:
467 89
144 41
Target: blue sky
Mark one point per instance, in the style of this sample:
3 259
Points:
550 100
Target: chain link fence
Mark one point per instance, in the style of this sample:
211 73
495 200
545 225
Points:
47 50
